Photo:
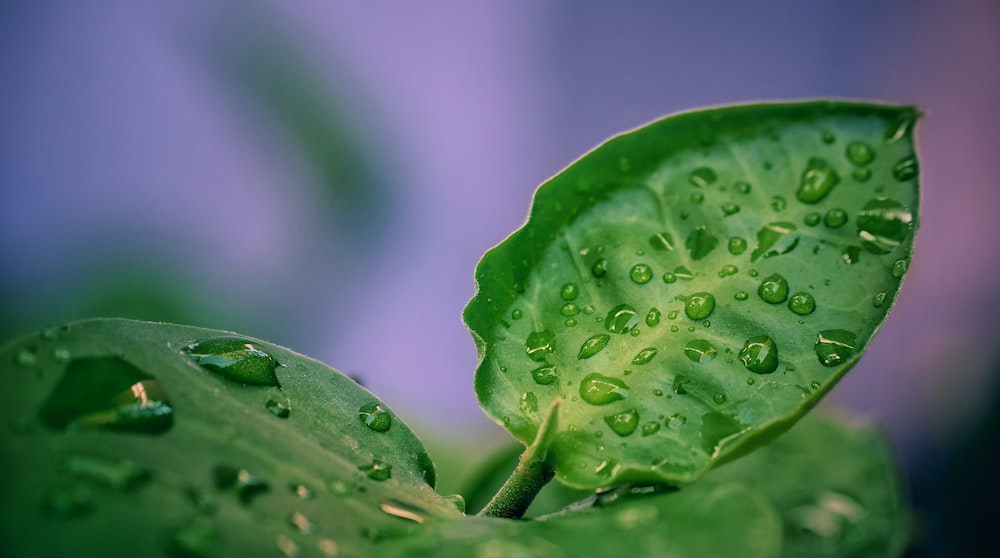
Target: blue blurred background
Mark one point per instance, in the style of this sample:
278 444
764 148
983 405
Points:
326 176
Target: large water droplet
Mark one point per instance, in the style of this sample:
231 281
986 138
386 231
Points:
644 356
516 314
569 309
835 218
699 305
860 153
539 345
108 393
235 358
700 351
623 423
899 268
737 245
906 169
703 177
653 317
593 345
544 375
802 303
879 299
377 470
700 243
621 318
817 181
600 268
835 346
760 354
529 402
246 485
775 239
569 291
662 242
650 428
773 289
375 416
641 274
812 219
883 224
730 208
598 389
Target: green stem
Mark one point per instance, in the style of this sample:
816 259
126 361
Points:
533 471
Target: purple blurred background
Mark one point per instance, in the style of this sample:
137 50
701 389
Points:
326 175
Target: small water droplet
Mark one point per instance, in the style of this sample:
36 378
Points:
851 255
570 322
700 243
700 351
621 318
818 179
906 169
883 224
719 398
752 272
802 303
697 198
235 358
703 177
278 408
835 218
728 270
737 245
669 277
529 402
699 305
773 289
623 423
569 291
377 470
730 208
516 314
812 219
672 315
598 389
828 137
375 416
879 299
899 268
246 485
676 421
760 354
680 381
835 346
653 317
778 203
644 356
741 295
775 239
600 268
569 309
860 153
539 345
742 187
641 274
662 242
650 428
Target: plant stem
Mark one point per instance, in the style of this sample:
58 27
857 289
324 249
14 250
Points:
533 471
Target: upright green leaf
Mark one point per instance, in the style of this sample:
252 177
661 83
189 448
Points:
691 288
123 437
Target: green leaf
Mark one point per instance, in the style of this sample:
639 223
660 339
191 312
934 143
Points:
835 486
691 288
703 520
165 439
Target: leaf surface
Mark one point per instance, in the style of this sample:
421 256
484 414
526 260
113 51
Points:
176 440
693 287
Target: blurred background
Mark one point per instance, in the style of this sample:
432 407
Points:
326 176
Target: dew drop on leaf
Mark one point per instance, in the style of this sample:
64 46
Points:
234 358
653 317
860 153
26 357
593 345
650 428
778 203
730 208
544 375
883 224
699 305
741 295
377 470
697 198
760 354
598 389
737 245
899 268
817 180
835 218
569 291
906 169
879 299
644 356
812 219
278 408
375 416
773 289
700 351
623 423
516 314
246 485
529 402
802 303
641 274
703 177
539 345
621 318
775 239
835 346
600 268
700 243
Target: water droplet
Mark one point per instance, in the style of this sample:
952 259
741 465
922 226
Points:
375 416
672 315
593 345
728 270
377 470
278 408
778 203
899 268
644 356
545 375
773 289
516 314
730 208
812 219
569 291
883 224
802 303
241 481
817 180
669 277
752 273
737 245
906 169
835 218
879 299
700 243
828 137
653 317
699 305
775 239
196 539
680 381
760 354
703 177
569 309
600 268
662 242
697 198
650 428
851 255
641 273
539 345
26 357
621 318
700 351
860 153
598 389
570 322
835 346
529 402
742 187
719 398
741 295
676 421
109 393
861 175
623 423
235 358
